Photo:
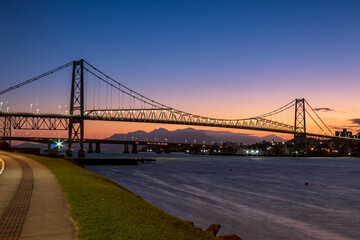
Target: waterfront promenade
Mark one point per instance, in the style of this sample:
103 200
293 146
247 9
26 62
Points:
32 205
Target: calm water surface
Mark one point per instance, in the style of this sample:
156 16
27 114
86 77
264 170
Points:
253 197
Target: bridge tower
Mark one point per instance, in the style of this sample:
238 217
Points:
300 122
76 123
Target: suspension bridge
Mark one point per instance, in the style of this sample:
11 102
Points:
297 117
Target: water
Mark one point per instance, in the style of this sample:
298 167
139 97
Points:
253 197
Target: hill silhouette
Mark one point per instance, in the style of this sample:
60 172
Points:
192 135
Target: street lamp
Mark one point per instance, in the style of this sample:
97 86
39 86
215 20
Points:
58 144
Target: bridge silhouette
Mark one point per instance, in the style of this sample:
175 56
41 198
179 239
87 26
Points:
297 117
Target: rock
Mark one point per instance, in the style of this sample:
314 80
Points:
213 229
192 224
229 237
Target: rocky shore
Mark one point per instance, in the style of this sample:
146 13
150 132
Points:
213 229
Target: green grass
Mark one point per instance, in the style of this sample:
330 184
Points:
103 209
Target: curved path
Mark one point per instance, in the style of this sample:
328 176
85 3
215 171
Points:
32 206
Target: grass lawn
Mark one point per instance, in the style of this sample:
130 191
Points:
103 209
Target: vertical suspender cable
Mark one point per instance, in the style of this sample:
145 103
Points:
111 97
107 86
130 101
122 102
99 92
94 97
119 92
86 76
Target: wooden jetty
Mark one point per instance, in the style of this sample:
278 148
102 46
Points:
112 161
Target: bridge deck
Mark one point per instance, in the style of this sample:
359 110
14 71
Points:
31 121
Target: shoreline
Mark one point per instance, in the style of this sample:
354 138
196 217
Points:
110 202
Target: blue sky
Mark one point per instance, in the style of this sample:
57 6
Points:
230 59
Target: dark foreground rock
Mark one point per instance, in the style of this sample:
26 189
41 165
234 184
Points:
213 229
229 237
192 224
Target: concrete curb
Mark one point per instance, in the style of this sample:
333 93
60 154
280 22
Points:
2 166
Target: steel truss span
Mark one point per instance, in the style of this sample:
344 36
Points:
28 121
172 116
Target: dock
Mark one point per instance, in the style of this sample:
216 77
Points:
112 161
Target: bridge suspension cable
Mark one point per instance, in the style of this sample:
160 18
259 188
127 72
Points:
35 78
318 118
279 110
132 92
131 95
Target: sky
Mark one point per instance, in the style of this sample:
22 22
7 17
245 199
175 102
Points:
225 59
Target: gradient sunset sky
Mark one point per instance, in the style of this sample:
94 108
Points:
225 59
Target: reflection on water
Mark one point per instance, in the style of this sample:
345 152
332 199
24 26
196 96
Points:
253 197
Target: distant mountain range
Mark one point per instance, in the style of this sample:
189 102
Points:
192 135
189 135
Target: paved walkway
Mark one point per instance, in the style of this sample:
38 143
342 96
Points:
47 216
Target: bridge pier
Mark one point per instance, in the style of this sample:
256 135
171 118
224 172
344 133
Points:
97 148
158 150
69 153
126 148
90 147
134 148
81 153
167 150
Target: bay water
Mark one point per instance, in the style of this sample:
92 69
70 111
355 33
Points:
253 197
